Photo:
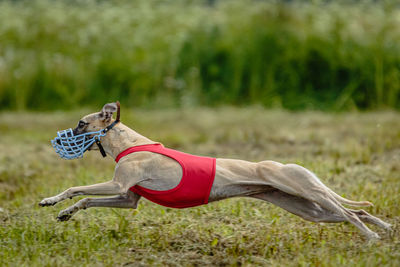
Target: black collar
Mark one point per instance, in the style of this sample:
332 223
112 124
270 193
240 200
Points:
98 143
109 127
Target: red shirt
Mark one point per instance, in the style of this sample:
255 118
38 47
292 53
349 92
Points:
194 188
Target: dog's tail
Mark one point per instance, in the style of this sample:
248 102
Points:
350 202
340 199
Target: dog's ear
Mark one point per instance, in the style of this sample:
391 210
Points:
107 112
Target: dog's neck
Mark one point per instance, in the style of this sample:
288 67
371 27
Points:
120 138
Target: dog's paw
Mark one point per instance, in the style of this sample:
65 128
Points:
388 227
66 214
373 237
64 217
51 201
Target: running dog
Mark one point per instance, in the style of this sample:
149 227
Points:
179 180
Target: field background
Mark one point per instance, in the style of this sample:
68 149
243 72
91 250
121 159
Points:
315 83
355 154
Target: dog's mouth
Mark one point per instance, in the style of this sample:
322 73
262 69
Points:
70 141
69 146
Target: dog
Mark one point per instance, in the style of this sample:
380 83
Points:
144 167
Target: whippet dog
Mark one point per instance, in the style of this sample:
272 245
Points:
288 186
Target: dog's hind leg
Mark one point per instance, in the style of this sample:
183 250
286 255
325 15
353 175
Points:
128 201
293 176
298 181
368 218
107 188
299 206
311 211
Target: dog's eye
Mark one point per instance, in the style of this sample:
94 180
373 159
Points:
82 124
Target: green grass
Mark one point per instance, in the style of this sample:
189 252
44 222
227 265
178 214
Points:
329 56
356 154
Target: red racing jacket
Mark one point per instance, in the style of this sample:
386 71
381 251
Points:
194 188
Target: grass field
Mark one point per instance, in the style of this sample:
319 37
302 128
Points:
356 154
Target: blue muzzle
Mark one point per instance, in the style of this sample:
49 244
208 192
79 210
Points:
70 146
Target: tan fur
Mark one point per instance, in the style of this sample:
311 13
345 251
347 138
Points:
288 186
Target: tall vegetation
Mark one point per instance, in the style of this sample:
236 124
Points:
61 54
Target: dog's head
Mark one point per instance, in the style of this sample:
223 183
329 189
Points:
70 144
99 120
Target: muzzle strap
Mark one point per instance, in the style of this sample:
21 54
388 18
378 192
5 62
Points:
98 143
109 127
103 153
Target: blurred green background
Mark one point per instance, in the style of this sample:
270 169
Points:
325 55
213 78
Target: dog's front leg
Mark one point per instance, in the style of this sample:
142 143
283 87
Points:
127 201
107 188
